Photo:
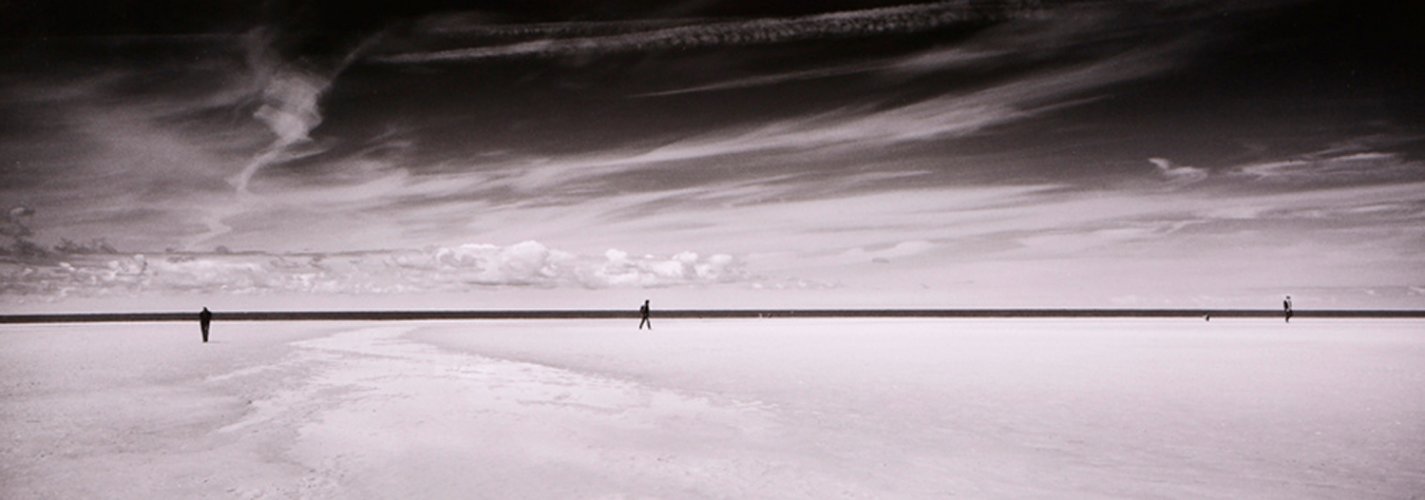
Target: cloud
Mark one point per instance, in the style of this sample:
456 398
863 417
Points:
923 62
1178 174
1056 38
900 19
526 263
290 91
541 189
399 196
17 222
129 143
772 79
860 126
1329 167
620 270
433 269
903 249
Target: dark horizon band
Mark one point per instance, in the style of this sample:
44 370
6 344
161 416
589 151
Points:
699 314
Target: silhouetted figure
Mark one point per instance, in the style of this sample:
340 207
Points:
1207 317
644 311
1286 305
204 319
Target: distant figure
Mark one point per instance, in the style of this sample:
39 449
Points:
1207 317
1286 305
204 319
644 311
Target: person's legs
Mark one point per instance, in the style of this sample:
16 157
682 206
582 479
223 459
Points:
205 334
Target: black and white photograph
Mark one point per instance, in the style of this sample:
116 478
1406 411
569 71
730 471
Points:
892 249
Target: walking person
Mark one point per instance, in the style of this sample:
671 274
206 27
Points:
1286 305
204 319
644 311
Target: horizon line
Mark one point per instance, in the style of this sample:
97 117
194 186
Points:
399 315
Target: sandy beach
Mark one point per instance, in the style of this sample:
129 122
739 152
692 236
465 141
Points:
851 408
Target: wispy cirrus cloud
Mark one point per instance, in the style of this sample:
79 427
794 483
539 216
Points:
859 127
957 142
1178 174
289 92
902 19
772 79
279 96
181 153
919 63
1336 167
1075 35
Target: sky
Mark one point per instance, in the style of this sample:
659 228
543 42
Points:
541 154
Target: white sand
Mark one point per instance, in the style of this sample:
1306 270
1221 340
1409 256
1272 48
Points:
746 408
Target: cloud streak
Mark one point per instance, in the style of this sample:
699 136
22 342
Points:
1178 174
879 21
1330 167
290 94
949 115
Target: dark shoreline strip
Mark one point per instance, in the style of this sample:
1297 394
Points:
724 313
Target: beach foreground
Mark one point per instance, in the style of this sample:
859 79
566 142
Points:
890 408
